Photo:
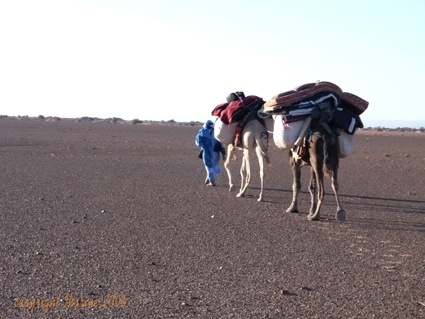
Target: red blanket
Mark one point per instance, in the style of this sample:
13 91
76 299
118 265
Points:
235 111
218 109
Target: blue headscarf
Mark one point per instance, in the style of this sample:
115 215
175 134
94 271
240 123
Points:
206 140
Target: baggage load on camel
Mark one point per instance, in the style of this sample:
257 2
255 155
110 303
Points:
235 96
299 97
224 132
299 94
353 103
267 118
219 108
285 134
346 120
345 144
235 111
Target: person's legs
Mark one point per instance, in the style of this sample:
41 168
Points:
215 170
207 180
211 175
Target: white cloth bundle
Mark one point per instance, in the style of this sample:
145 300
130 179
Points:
345 144
223 132
285 134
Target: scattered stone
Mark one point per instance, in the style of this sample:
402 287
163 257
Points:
285 292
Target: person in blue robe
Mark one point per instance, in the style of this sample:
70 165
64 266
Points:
211 149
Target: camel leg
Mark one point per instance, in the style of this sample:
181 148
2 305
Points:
246 166
318 171
231 150
242 172
261 162
296 185
312 190
340 215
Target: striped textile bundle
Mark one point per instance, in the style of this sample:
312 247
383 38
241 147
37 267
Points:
354 103
299 94
302 94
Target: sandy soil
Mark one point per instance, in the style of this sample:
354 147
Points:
102 210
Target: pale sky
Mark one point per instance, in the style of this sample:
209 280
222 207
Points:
164 59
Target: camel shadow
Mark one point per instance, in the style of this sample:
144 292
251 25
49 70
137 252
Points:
387 205
362 197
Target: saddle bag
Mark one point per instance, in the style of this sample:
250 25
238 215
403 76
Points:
345 144
285 134
224 132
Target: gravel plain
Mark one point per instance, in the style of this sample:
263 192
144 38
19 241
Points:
103 220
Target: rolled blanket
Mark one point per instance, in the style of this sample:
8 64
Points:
299 94
306 92
354 103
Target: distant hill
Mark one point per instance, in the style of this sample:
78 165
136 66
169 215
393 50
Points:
393 124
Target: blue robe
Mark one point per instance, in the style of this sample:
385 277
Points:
206 140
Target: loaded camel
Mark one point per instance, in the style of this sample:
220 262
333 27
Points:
254 137
321 141
321 153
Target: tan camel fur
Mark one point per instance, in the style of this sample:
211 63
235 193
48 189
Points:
254 136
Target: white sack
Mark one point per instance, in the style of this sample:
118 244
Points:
345 144
285 134
223 132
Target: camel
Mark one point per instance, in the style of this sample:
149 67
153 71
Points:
254 136
321 153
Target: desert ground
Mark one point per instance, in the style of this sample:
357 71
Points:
107 220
